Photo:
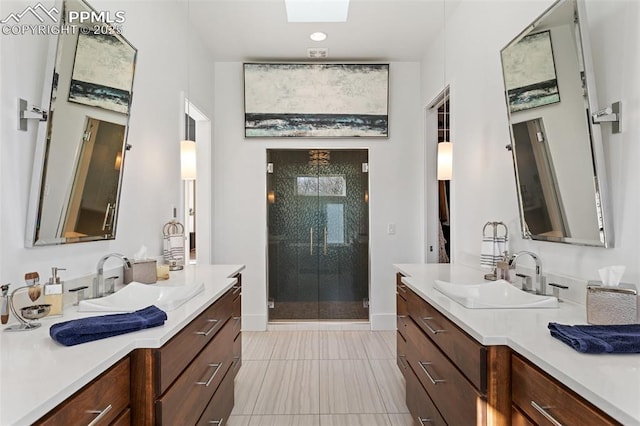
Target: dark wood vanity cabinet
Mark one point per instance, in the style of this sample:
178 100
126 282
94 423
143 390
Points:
190 379
104 401
540 399
451 378
402 318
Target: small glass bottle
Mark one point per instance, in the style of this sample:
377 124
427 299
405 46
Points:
54 293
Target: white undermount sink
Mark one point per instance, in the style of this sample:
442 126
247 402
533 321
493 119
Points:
136 296
494 295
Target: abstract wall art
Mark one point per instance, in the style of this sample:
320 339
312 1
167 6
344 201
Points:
316 100
530 73
103 72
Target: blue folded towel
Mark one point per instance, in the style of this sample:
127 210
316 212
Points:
84 330
597 339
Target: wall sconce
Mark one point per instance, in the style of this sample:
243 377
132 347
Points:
188 160
271 196
445 160
366 195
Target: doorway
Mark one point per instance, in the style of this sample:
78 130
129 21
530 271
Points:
318 234
196 204
439 165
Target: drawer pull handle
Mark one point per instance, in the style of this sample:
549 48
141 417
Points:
431 329
402 316
423 365
100 414
215 422
545 413
403 360
208 332
208 382
402 288
425 420
236 289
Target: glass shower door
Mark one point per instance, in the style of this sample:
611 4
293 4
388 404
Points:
293 237
343 279
318 234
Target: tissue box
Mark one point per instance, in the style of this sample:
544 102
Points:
142 271
611 305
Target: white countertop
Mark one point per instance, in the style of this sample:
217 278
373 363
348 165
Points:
610 382
37 373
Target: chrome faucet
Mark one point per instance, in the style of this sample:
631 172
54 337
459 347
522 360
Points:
98 281
540 283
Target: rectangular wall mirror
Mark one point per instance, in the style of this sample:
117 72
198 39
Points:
81 150
557 151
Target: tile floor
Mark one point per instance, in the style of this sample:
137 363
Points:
319 378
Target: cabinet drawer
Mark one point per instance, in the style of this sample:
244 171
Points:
123 419
219 408
236 315
188 396
401 354
456 398
464 351
402 313
422 409
401 288
541 397
518 418
106 396
174 356
237 354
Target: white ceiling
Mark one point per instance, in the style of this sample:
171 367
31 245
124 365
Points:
376 30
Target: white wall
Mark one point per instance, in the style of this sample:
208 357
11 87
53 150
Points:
152 169
395 186
483 185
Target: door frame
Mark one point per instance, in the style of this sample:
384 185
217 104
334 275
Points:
432 185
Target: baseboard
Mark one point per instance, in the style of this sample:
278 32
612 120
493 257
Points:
382 322
254 323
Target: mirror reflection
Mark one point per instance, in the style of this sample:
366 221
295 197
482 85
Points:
80 160
557 155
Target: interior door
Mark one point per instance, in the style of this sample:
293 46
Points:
318 234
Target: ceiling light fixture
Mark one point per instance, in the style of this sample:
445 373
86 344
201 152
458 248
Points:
317 10
318 36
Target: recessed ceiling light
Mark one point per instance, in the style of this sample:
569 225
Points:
318 36
317 10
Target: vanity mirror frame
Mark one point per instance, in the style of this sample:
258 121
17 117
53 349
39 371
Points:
593 136
81 114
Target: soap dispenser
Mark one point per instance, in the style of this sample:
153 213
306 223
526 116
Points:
54 292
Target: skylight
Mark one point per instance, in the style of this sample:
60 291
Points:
317 10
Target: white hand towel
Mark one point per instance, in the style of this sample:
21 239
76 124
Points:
488 253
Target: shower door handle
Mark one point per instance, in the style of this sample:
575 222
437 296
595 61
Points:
325 240
311 241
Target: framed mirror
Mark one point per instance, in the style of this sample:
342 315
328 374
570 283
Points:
81 149
557 151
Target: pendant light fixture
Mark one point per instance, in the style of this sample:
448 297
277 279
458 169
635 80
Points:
445 147
188 145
